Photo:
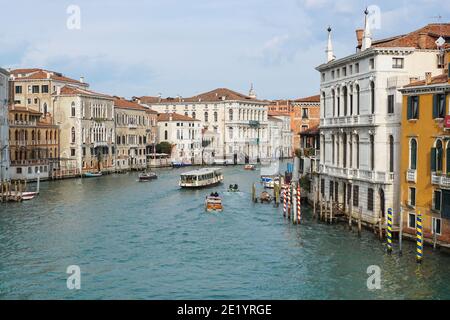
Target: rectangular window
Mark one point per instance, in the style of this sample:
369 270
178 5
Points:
436 226
351 69
322 187
355 196
412 221
413 108
331 190
356 67
332 74
305 113
19 170
35 89
445 204
44 89
437 199
18 89
323 76
439 106
412 197
398 63
440 61
344 72
391 100
372 64
72 152
370 199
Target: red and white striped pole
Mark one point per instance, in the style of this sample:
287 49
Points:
284 201
289 201
298 204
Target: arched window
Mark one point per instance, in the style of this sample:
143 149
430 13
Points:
358 99
73 135
391 154
372 97
344 149
33 135
438 152
193 115
333 97
215 116
372 152
230 114
324 104
73 109
357 151
45 109
413 154
206 116
338 98
344 96
166 134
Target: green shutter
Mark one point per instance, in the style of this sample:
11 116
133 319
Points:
409 108
433 159
435 106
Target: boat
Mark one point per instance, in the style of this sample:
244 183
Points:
93 174
265 197
269 182
201 178
182 164
213 203
249 167
233 188
147 176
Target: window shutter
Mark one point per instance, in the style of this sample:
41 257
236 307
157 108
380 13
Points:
435 106
448 159
409 108
418 108
433 159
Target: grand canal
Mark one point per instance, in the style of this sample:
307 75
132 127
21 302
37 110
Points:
154 241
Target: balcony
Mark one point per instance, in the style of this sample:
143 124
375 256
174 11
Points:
22 123
132 126
350 173
411 176
440 180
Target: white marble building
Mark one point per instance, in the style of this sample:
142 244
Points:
280 136
237 123
360 119
4 131
185 135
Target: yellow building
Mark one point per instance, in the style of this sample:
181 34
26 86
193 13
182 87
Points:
425 156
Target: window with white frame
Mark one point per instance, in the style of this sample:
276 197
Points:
398 63
412 221
436 226
412 196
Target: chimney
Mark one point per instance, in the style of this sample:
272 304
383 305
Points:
170 117
82 79
159 97
359 36
423 40
427 78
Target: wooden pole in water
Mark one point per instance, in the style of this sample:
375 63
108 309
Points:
331 212
285 202
321 207
434 234
314 202
289 202
359 221
350 218
299 204
400 236
254 193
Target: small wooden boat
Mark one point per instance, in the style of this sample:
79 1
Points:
249 167
233 188
93 174
213 203
147 176
265 197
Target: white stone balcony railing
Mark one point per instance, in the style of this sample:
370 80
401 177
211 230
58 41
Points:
440 180
411 176
132 126
350 173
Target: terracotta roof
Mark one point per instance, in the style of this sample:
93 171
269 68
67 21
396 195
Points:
175 117
430 34
42 74
309 99
70 90
443 78
126 104
273 113
215 95
24 109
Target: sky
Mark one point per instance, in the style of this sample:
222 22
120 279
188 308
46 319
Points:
185 47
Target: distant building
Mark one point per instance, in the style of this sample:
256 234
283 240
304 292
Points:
33 144
184 134
305 115
280 135
425 156
236 122
360 117
4 137
86 121
135 134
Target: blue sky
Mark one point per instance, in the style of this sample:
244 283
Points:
176 47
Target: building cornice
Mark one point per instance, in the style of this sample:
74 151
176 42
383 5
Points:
435 88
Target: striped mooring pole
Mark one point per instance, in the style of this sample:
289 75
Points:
289 201
389 231
298 204
419 235
284 201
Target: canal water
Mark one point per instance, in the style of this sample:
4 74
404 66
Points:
152 240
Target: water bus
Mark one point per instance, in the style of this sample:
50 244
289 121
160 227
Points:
201 178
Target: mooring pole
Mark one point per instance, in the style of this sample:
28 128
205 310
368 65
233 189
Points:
419 238
359 221
389 231
400 235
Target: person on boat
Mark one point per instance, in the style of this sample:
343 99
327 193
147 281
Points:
216 194
236 187
230 187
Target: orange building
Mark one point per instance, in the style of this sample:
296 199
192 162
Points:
425 157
